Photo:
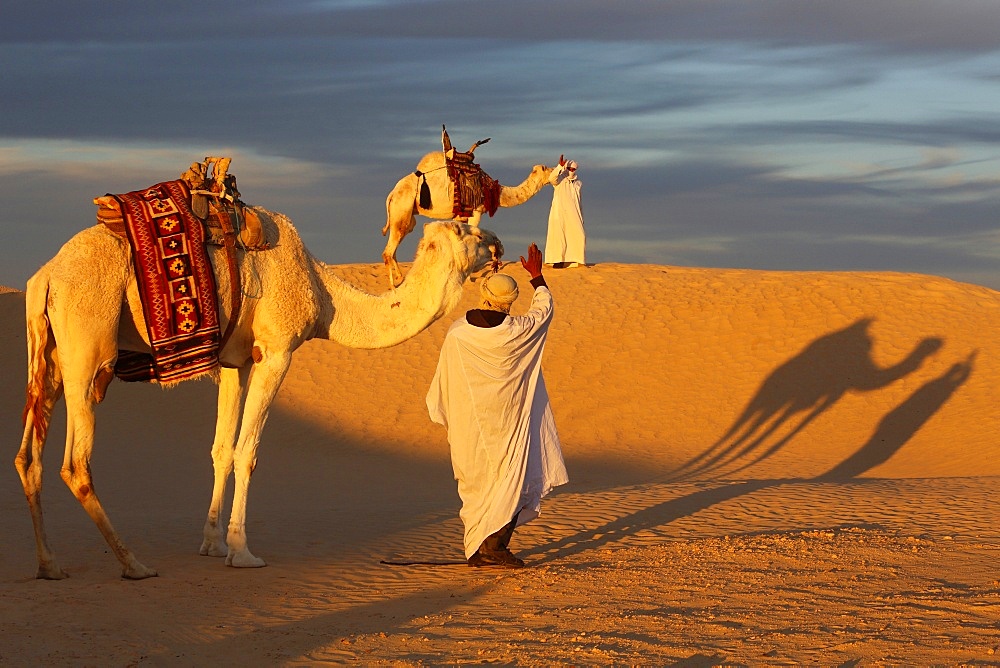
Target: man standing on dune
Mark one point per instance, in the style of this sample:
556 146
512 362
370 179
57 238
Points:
566 239
489 392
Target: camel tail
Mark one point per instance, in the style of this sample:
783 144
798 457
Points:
388 215
36 415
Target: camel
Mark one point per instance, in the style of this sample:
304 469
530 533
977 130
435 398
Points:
403 203
82 308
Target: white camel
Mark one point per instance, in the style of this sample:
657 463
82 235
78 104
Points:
403 203
76 326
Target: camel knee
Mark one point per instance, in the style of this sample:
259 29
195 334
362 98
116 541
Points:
80 485
222 458
244 467
21 463
28 471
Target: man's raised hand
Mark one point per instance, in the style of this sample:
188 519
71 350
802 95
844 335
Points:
533 265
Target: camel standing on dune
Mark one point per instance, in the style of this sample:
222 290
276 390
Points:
76 328
403 203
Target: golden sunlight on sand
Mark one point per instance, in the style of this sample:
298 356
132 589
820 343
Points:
766 468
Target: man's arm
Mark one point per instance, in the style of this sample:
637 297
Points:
533 265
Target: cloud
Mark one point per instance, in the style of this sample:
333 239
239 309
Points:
904 25
756 134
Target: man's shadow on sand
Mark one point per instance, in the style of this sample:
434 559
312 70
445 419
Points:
890 435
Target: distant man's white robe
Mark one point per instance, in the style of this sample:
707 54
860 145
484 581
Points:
489 392
566 240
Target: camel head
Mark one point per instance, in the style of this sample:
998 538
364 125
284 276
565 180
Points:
541 173
469 248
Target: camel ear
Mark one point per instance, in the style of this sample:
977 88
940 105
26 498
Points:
455 227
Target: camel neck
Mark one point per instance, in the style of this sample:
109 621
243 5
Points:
358 319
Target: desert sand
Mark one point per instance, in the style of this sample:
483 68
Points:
767 468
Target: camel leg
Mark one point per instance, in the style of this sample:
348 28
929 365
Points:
232 385
394 238
400 219
85 330
392 267
265 378
29 467
43 391
77 475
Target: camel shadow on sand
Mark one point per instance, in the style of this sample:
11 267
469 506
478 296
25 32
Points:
795 387
799 391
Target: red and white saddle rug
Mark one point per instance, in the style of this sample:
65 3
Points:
473 187
176 284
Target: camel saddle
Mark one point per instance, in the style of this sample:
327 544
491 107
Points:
214 200
472 186
453 154
228 222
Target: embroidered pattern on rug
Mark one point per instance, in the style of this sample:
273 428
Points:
176 285
473 187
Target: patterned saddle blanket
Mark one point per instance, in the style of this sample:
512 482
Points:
473 188
176 285
167 226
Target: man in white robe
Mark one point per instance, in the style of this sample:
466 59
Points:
566 240
489 392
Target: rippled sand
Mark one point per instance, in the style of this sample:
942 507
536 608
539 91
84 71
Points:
767 468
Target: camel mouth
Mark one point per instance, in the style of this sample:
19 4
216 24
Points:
496 250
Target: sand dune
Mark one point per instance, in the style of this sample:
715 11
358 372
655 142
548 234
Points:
766 468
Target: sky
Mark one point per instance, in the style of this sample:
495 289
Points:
829 135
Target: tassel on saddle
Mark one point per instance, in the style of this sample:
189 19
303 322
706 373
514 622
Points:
425 190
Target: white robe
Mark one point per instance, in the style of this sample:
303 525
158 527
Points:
489 392
566 240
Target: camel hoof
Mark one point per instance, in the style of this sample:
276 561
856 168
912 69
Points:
244 559
50 572
213 548
138 572
395 279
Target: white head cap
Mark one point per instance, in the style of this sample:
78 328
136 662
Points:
498 292
571 165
